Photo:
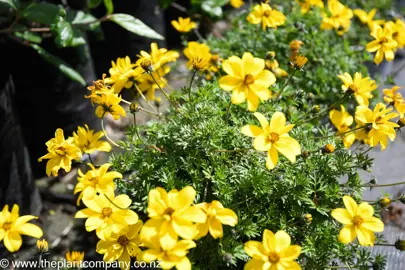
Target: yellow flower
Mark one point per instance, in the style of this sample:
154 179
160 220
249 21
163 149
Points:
146 83
95 181
184 25
121 246
399 104
359 86
171 215
107 215
358 221
275 252
158 57
398 32
121 74
383 45
99 87
12 226
378 120
300 61
367 18
389 94
42 246
200 63
216 216
108 103
88 141
274 67
175 256
342 120
196 50
307 4
247 79
267 16
75 257
236 3
339 19
61 153
273 138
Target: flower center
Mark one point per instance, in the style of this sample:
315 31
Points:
106 212
353 88
168 213
357 221
123 240
267 13
379 120
249 79
61 151
383 40
273 137
7 226
274 258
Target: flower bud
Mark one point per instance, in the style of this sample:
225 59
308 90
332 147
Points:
134 107
147 65
384 202
400 245
208 77
329 148
270 55
158 102
215 57
305 154
307 218
401 122
300 61
42 246
402 198
315 108
295 45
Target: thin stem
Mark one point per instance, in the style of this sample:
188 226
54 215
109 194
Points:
384 185
140 108
278 96
144 98
385 245
231 151
91 160
340 134
164 93
199 36
106 135
366 151
228 110
179 7
114 203
205 191
136 129
191 84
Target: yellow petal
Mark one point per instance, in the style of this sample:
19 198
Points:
12 241
193 214
252 101
185 229
24 219
261 143
373 46
30 230
350 205
277 122
342 215
251 130
288 147
291 253
157 202
290 265
202 230
232 66
150 255
265 78
238 96
347 234
262 119
272 158
182 199
229 83
150 233
85 213
122 201
365 237
184 264
269 241
373 224
93 223
283 240
215 228
168 236
227 217
254 264
255 250
365 210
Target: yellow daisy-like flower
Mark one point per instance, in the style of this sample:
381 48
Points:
342 120
95 181
339 19
368 18
216 216
381 126
184 25
196 50
99 87
74 257
358 221
359 86
247 79
107 214
171 215
158 56
42 246
12 226
307 4
273 138
121 74
275 252
236 3
389 94
61 153
88 141
398 32
108 103
168 258
266 16
122 246
384 45
146 83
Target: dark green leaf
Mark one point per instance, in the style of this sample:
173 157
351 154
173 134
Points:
134 25
78 38
64 33
27 35
109 6
12 3
43 13
93 3
390 80
83 20
60 64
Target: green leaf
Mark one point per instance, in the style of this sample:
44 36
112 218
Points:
12 3
109 6
64 33
93 3
60 64
83 20
212 8
78 38
390 80
30 36
43 13
134 25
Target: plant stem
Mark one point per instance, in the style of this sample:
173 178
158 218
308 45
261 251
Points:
164 93
384 245
136 129
144 98
340 134
228 110
106 135
191 83
205 191
114 203
384 185
91 161
232 151
278 95
366 151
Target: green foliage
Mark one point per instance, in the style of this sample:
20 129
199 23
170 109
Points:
43 13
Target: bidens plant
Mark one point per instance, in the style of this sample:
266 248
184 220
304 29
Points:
240 172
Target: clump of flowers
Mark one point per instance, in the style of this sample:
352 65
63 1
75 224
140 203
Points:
266 16
339 19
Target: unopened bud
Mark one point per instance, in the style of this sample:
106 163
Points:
42 246
300 93
329 148
402 198
147 65
134 107
300 61
315 108
305 154
400 245
384 202
270 55
401 122
307 218
158 102
295 45
208 77
214 57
